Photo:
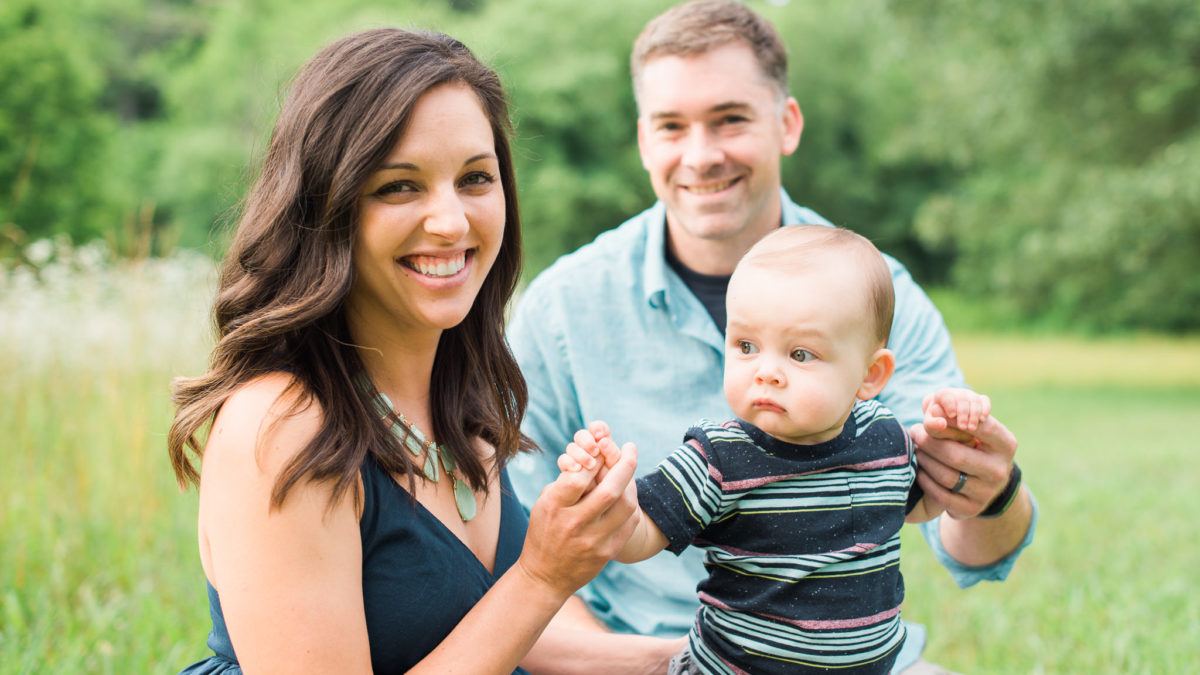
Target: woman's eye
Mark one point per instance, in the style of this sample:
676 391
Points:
394 187
802 355
478 178
746 347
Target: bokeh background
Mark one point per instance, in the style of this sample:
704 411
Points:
1037 166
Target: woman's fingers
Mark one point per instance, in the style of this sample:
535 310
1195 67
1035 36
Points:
578 524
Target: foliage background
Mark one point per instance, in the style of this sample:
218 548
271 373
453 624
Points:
1041 158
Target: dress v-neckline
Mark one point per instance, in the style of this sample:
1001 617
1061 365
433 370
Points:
447 532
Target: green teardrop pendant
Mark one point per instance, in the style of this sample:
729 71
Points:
464 499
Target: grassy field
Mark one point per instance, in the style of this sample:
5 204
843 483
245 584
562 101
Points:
1107 586
99 571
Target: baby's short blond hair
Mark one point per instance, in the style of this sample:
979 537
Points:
796 246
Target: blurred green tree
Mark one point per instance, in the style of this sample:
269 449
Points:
53 134
1044 157
1075 127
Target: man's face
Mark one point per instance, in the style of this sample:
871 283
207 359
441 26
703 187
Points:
711 132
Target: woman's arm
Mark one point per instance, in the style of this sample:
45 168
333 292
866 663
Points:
577 643
289 579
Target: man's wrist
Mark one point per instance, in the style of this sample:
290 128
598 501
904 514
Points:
1000 504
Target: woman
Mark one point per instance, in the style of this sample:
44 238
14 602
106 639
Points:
354 510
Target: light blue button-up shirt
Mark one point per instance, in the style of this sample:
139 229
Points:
610 332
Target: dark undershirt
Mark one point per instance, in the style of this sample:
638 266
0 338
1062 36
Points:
709 289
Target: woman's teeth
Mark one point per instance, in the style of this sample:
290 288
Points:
431 266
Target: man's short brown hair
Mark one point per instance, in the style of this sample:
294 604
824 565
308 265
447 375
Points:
698 27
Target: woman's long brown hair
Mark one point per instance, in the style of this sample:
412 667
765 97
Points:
284 281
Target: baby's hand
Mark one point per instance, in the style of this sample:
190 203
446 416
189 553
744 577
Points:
593 449
958 408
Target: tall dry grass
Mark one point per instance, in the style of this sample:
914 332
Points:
98 569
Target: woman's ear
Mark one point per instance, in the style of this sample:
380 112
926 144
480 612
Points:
879 371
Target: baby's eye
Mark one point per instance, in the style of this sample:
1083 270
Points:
746 347
802 355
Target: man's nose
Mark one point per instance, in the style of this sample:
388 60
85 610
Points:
702 149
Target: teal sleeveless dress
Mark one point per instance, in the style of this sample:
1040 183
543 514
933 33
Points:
419 580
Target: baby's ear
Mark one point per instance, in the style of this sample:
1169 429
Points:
879 371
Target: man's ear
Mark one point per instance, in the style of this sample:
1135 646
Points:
879 371
793 125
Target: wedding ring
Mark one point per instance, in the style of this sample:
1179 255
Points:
962 480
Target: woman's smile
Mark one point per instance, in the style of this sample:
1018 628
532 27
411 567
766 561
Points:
437 267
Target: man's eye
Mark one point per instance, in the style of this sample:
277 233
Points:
802 355
746 347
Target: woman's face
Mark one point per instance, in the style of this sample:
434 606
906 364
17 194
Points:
431 219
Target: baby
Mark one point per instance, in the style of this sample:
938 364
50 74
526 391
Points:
798 501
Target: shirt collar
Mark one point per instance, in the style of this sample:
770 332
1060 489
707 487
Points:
655 268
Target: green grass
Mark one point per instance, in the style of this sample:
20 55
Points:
1107 445
99 571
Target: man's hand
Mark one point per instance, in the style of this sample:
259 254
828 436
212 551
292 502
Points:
981 461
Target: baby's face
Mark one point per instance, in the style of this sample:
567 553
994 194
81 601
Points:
797 348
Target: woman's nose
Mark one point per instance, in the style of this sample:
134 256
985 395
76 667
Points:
446 218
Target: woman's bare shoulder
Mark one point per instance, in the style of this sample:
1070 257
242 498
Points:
267 421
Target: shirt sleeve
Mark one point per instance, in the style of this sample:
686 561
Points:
925 360
552 415
965 575
682 496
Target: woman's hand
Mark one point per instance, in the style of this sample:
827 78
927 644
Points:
573 531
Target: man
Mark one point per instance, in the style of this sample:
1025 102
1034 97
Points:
628 329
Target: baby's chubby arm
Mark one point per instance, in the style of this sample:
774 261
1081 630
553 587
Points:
926 509
594 450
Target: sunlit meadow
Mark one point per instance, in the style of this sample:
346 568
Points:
99 571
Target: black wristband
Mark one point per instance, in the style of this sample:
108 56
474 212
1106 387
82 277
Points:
1005 499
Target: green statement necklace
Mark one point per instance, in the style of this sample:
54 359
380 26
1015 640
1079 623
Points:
418 444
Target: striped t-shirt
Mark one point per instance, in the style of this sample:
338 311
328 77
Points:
801 542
